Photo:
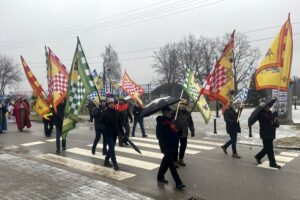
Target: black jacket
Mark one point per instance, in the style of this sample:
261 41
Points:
166 134
97 114
184 121
137 111
58 117
230 117
112 122
267 124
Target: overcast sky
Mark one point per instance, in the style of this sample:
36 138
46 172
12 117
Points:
134 28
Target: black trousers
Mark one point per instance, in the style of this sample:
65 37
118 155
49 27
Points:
59 126
48 127
141 122
168 163
97 138
183 143
267 149
124 133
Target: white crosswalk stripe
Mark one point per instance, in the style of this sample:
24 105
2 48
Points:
32 143
132 151
120 159
195 141
282 159
51 140
155 146
88 167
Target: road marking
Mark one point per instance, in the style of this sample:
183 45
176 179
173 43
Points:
51 140
132 151
10 147
194 141
283 159
155 146
290 154
266 165
88 167
32 143
120 159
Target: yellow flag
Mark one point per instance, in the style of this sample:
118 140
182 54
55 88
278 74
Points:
274 70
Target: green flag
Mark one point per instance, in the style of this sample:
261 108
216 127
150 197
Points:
80 85
193 89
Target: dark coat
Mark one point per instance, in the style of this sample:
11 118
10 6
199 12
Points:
137 111
267 124
230 117
183 122
58 117
91 106
98 114
125 113
112 122
167 135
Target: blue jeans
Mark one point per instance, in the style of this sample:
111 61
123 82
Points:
232 142
111 142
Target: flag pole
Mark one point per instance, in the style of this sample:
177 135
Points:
178 104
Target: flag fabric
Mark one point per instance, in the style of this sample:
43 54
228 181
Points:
49 100
57 80
243 93
193 89
219 83
97 80
132 89
40 107
117 89
274 70
80 84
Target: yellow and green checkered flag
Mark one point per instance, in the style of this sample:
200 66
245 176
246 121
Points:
193 89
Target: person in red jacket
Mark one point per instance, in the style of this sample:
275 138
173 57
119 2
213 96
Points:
21 113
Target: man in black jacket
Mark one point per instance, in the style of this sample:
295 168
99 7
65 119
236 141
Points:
167 136
267 123
125 115
97 113
232 128
184 121
58 122
112 128
137 119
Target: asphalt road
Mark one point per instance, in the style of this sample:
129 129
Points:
209 174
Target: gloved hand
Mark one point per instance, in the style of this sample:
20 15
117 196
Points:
192 134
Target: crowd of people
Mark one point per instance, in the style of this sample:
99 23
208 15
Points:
112 120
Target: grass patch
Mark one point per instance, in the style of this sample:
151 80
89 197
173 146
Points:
288 141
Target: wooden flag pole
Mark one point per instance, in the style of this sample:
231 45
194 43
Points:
178 104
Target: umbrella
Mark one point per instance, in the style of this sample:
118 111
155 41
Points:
253 117
158 104
126 139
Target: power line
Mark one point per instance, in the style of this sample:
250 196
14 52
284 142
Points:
118 21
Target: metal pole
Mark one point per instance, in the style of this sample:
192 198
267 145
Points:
215 126
250 131
217 109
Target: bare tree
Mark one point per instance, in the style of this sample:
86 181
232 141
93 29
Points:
244 57
111 64
10 73
167 65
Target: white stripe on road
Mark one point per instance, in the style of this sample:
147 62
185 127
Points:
32 143
284 159
195 146
51 140
266 165
155 146
132 151
120 159
290 154
196 141
88 167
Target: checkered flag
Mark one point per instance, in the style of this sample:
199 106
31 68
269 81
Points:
132 89
81 85
219 84
243 93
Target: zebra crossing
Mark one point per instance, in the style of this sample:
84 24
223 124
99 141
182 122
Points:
282 159
149 159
